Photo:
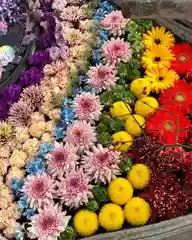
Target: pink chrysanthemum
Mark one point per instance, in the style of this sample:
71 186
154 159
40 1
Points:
49 223
114 22
81 134
116 50
74 189
102 77
39 189
61 159
102 164
87 106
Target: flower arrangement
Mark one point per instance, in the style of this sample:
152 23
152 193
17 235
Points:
97 129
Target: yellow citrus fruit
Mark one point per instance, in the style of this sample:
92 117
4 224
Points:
139 87
137 211
111 217
120 191
139 176
120 110
134 125
86 222
122 141
146 106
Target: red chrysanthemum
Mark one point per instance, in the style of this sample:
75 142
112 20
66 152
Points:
183 55
179 94
169 124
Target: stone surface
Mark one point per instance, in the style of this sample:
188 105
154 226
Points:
175 229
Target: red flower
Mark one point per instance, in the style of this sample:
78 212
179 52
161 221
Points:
169 124
180 94
183 55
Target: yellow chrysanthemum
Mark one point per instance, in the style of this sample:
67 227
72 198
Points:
158 36
139 176
111 217
137 211
122 141
157 56
120 191
6 130
140 87
134 125
161 78
120 110
86 222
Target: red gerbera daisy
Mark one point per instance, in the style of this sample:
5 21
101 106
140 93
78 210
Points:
169 124
180 94
183 58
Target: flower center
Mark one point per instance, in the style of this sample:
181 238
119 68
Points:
182 58
74 182
86 104
77 133
168 125
101 74
157 41
59 157
157 59
180 97
47 223
161 78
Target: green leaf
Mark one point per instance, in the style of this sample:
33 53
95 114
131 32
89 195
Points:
73 80
116 125
92 205
57 99
100 193
106 98
102 127
105 139
68 234
125 164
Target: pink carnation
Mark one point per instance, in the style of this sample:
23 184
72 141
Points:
81 134
49 223
39 189
61 159
102 164
74 189
102 77
87 106
114 22
116 50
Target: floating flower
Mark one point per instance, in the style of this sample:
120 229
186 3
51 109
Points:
59 5
29 77
4 109
158 36
183 57
61 159
101 164
6 130
74 188
54 53
39 59
179 94
116 50
81 134
20 113
157 56
87 106
161 78
114 22
32 95
39 189
36 166
169 124
102 77
7 55
11 93
48 223
73 14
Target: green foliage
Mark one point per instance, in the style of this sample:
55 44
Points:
73 80
100 193
92 205
57 99
105 139
128 71
68 234
144 25
125 164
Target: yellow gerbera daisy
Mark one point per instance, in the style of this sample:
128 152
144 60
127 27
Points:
161 78
157 56
158 36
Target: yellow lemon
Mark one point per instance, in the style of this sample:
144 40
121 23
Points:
140 87
137 211
139 176
111 217
134 125
86 222
122 141
146 106
120 110
120 191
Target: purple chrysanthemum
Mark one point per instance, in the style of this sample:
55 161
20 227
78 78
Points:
61 159
81 134
87 106
101 164
29 77
4 109
75 190
45 40
39 59
39 189
48 223
32 95
20 113
11 94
